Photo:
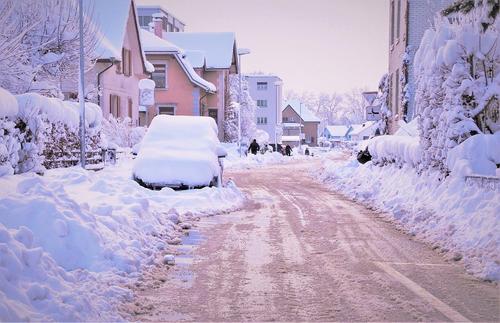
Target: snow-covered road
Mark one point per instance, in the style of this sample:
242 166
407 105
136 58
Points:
298 252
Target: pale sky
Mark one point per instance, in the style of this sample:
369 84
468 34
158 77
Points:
313 45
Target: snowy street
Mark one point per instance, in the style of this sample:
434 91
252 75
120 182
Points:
300 252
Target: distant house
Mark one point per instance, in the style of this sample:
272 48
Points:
336 133
267 91
179 89
214 57
120 64
299 122
362 131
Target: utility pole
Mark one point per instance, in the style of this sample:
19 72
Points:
81 90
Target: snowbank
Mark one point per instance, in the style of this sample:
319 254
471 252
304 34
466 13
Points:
179 150
463 221
478 155
71 240
8 104
395 149
56 110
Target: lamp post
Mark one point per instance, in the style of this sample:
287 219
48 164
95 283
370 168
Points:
241 52
81 89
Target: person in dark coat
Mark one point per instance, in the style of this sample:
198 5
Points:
307 152
254 147
288 150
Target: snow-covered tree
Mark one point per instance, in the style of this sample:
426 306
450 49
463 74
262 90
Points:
383 99
328 106
458 81
121 132
246 104
39 44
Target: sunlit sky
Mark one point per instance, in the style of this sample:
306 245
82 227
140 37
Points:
313 45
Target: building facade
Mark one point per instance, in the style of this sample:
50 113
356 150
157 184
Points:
299 122
169 23
408 20
267 92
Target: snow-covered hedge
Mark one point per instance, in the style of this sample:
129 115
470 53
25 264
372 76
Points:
399 150
39 132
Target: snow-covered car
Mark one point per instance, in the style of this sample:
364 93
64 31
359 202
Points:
180 152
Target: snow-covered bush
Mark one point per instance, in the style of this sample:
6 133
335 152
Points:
382 99
247 107
119 132
9 143
458 79
399 150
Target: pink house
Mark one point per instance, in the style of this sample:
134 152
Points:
214 57
180 90
120 64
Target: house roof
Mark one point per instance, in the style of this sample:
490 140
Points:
154 44
304 112
358 128
338 131
219 48
196 58
110 18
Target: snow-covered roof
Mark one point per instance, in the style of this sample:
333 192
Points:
218 47
154 44
290 125
304 112
111 19
358 128
337 131
196 58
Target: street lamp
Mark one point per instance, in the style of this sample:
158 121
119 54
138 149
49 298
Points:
81 88
241 52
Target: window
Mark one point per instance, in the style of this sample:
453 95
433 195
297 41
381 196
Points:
126 62
145 20
261 120
262 103
398 22
160 76
288 119
164 23
392 23
261 85
168 110
213 114
396 91
142 118
114 105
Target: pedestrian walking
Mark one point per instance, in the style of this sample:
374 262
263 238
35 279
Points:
288 150
307 152
254 147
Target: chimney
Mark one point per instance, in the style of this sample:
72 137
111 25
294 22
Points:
157 25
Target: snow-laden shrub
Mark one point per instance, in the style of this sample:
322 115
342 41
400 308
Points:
9 135
119 132
458 80
247 107
399 150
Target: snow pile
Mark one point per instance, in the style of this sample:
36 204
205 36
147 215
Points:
395 149
179 150
8 104
248 160
478 155
71 241
462 220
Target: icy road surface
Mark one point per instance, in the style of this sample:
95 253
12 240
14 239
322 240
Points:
299 252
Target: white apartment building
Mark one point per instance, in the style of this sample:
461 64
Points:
267 91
